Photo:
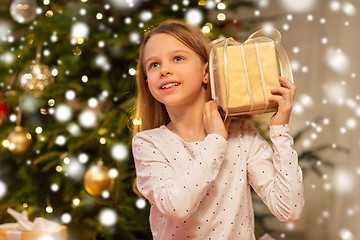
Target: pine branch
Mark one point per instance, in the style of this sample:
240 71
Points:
47 157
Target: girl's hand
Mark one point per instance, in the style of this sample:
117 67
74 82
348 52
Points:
212 120
284 96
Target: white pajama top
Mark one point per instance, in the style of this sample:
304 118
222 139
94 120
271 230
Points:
201 190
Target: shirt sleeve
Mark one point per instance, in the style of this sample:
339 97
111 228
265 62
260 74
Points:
176 195
275 174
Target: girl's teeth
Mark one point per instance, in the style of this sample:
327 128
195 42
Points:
169 85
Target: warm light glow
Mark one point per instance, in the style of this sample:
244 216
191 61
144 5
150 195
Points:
99 16
6 143
54 187
221 17
221 6
132 71
137 122
205 29
84 78
54 72
49 209
209 25
80 41
38 130
66 160
76 201
51 102
49 13
59 168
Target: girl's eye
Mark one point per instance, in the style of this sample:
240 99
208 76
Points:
154 65
178 58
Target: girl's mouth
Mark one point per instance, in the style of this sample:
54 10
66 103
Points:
169 85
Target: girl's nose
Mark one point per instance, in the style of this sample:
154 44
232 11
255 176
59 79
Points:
165 70
165 73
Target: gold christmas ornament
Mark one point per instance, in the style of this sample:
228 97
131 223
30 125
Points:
97 180
36 78
20 140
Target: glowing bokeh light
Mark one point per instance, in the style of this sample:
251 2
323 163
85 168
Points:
119 152
194 16
3 189
108 217
66 218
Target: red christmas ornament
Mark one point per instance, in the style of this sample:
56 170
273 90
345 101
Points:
3 110
235 25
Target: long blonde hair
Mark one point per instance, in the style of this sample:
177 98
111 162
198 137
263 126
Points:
149 111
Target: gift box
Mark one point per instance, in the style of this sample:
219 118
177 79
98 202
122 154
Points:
15 234
40 229
243 74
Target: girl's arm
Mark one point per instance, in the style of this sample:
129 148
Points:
177 195
275 174
276 177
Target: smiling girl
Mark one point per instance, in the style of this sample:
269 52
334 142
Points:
194 168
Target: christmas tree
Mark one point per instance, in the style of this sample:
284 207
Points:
67 87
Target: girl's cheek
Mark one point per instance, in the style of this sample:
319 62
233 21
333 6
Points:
151 76
150 81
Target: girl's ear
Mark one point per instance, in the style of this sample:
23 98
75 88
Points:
206 73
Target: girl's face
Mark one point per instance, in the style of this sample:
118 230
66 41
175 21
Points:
175 73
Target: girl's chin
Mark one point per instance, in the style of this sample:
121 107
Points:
178 103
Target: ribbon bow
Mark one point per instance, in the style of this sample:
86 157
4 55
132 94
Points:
24 224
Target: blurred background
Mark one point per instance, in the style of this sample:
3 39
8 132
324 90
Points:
67 87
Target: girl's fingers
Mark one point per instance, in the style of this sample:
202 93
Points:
284 92
286 83
212 120
284 97
276 98
211 107
287 89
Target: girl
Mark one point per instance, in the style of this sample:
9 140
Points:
194 168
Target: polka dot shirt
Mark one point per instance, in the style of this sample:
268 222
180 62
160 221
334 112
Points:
201 190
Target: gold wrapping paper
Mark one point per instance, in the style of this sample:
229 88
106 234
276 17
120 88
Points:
239 100
60 234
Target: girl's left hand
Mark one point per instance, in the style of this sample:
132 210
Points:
284 96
